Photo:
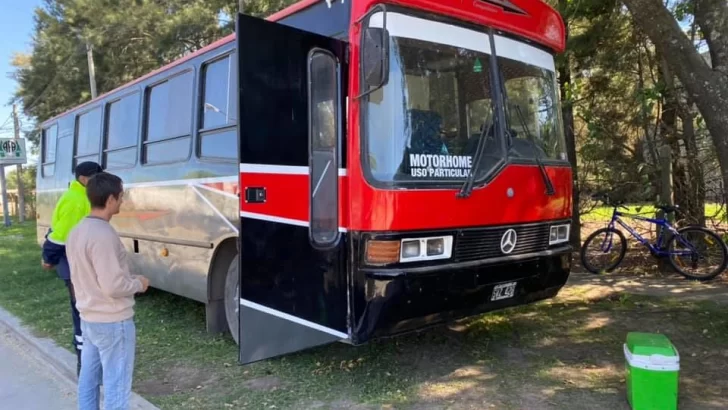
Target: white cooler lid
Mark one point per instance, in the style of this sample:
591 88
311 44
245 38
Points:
653 362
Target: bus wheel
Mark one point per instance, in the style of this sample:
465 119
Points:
232 298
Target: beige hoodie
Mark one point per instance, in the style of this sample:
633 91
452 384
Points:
102 281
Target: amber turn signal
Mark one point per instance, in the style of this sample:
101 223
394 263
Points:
382 252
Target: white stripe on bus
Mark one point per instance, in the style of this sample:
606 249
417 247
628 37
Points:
217 191
173 182
279 219
247 168
214 209
294 319
279 169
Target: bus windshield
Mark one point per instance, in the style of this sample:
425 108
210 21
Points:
424 125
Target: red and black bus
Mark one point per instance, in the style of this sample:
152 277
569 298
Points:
340 171
402 164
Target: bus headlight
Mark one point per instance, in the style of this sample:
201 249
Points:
559 234
423 249
410 249
436 247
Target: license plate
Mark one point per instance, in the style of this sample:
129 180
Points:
503 291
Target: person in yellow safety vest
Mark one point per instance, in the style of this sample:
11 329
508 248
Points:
71 208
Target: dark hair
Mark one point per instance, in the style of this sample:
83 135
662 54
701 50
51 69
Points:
87 169
101 186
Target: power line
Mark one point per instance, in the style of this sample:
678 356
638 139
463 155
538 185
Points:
10 117
47 87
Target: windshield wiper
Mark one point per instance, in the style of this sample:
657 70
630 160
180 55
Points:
541 167
467 187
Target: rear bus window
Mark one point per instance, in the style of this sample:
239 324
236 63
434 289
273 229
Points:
122 129
167 134
88 137
48 155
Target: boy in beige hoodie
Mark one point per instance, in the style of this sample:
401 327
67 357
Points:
105 291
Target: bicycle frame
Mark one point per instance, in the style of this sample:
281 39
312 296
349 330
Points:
657 248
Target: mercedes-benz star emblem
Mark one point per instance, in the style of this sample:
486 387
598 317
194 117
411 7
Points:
508 241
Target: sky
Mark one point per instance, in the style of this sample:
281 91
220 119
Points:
16 27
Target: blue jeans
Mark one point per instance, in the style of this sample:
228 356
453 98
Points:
108 356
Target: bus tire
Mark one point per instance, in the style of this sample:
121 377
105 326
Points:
232 298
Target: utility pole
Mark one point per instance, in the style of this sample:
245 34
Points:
3 188
91 69
19 170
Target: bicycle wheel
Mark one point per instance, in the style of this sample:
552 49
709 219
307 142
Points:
602 259
696 244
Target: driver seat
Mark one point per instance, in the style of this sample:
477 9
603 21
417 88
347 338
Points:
426 126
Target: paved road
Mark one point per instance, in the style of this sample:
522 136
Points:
26 384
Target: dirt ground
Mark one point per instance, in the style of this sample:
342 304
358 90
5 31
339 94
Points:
565 353
572 359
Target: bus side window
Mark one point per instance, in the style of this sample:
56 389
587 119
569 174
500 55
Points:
88 137
121 133
218 134
323 148
168 120
48 155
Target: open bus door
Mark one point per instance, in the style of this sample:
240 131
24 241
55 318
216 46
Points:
293 283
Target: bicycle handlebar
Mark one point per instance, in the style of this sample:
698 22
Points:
604 197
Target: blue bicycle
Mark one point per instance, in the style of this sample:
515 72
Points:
685 248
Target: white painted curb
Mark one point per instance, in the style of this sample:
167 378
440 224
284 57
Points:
57 359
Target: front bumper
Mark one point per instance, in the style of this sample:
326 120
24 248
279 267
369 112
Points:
392 302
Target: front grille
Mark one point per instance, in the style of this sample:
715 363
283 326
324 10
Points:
483 243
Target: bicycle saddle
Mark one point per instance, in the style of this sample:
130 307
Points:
668 208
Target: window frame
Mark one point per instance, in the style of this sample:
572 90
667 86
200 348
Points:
336 151
77 117
201 100
105 136
202 131
143 160
44 145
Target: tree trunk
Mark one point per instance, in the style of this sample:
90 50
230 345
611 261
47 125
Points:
687 175
653 160
668 131
712 17
567 114
695 189
708 87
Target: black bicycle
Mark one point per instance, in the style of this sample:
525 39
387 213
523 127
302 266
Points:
684 247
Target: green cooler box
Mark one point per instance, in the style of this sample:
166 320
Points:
653 364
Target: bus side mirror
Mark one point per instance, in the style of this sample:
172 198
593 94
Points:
375 59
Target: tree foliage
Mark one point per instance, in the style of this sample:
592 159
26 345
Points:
628 100
129 38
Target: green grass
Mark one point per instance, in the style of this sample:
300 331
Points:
517 351
604 213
